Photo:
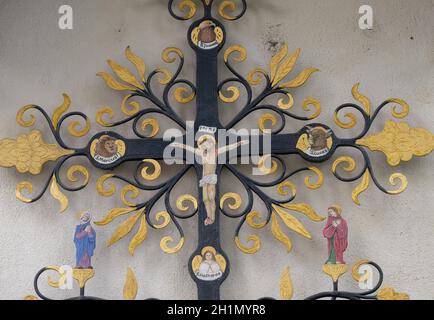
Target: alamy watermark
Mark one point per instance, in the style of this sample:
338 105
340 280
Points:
66 19
218 146
65 280
366 280
366 21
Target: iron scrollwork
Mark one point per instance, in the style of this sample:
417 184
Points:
315 143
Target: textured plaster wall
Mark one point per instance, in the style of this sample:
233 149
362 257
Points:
38 62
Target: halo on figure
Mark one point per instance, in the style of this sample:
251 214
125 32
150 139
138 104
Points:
336 208
319 128
208 249
206 137
83 213
121 147
217 30
219 259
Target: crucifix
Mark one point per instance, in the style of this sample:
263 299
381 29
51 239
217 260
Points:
212 152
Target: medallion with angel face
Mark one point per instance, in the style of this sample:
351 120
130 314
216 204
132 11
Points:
209 266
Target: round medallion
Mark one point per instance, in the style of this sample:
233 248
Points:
107 149
209 265
207 35
316 142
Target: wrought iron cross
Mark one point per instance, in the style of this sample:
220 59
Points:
107 150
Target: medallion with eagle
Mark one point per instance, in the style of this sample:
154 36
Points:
207 35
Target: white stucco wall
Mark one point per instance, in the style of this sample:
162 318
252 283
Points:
38 62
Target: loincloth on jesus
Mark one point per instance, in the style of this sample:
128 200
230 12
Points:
209 179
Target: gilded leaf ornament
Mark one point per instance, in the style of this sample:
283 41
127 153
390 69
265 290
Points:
164 245
138 216
137 62
292 222
124 228
254 247
129 81
286 288
57 114
130 286
129 192
391 294
234 197
189 5
58 195
142 190
264 119
281 66
364 100
140 236
29 153
163 216
361 187
278 233
400 142
186 198
113 214
366 177
82 276
366 108
53 283
252 220
280 211
226 5
335 271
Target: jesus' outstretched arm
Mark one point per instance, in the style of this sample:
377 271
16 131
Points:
232 146
183 146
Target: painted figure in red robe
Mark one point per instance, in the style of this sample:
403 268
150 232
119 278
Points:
336 233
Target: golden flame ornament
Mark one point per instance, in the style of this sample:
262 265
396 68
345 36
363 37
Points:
29 153
400 142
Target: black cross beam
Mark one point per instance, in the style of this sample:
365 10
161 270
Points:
315 143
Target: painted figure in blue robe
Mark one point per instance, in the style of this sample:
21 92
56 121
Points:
85 241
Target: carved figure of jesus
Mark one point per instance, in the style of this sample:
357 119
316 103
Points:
206 150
